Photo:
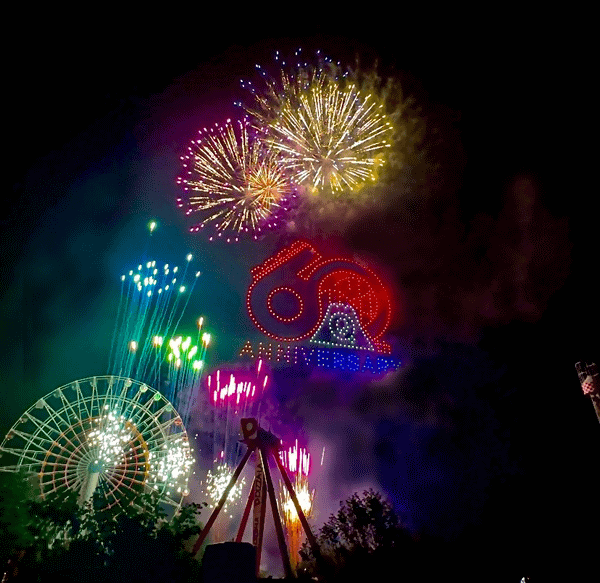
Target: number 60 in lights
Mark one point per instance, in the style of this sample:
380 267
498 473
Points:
290 292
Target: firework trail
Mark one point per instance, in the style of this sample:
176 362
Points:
153 299
241 183
332 133
145 346
185 367
234 394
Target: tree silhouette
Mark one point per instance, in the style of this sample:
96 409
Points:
55 538
364 539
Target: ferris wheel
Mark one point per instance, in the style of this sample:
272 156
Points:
105 436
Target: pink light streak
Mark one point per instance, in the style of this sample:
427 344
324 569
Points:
236 388
296 459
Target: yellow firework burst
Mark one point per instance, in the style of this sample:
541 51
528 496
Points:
238 183
332 134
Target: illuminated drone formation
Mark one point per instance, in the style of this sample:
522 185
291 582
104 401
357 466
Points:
238 183
337 307
341 292
103 437
332 134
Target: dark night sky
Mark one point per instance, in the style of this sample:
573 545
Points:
484 438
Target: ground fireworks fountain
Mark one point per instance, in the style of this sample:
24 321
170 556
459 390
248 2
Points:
297 461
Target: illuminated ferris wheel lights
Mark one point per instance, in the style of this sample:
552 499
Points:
110 439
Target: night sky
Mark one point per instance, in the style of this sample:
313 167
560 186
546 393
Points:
483 438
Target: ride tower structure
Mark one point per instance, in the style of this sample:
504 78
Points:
265 445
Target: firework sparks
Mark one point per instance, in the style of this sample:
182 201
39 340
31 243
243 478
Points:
305 498
234 393
242 184
218 480
153 300
237 388
109 439
186 363
332 134
296 460
172 465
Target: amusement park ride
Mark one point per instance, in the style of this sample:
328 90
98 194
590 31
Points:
590 383
265 445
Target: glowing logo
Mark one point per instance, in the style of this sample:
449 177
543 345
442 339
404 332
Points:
334 304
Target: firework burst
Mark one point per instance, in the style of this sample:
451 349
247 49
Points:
236 181
332 133
217 481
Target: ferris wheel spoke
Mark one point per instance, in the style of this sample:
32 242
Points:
94 399
159 428
119 482
67 453
68 408
68 442
143 417
110 490
82 438
19 467
32 440
41 425
148 428
137 407
140 449
108 397
71 476
25 454
120 399
55 416
80 401
107 401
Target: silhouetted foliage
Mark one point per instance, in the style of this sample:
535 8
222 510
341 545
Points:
365 540
55 538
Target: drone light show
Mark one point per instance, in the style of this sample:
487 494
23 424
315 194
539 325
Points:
329 312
